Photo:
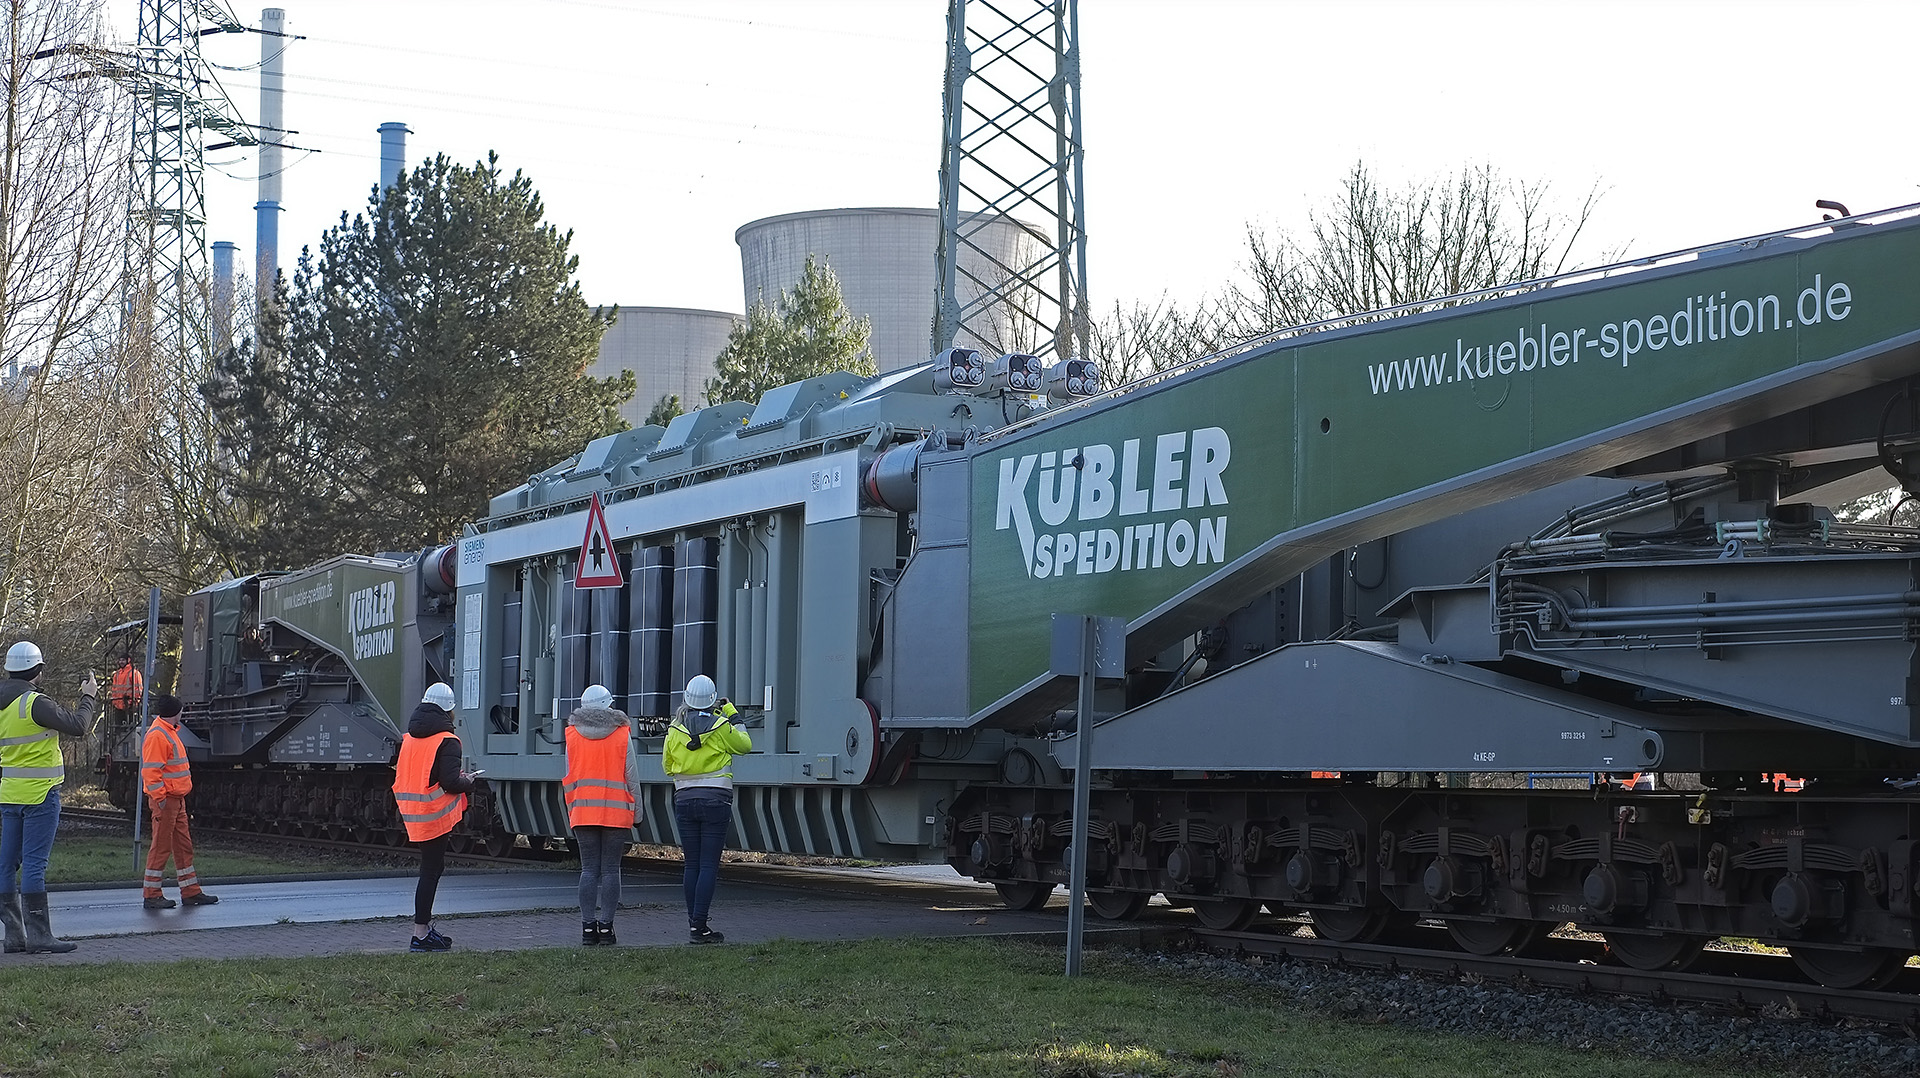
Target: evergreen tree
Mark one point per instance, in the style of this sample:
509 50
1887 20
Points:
278 490
434 356
807 332
664 410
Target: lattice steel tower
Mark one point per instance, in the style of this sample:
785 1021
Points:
1012 151
175 102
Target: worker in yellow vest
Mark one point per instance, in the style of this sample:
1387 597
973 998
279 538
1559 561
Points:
699 750
603 802
31 771
167 780
431 793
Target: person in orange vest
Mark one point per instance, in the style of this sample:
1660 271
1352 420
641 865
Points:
603 802
431 792
127 687
165 777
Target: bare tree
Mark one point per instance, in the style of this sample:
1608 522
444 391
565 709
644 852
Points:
1371 248
67 420
1133 341
1376 247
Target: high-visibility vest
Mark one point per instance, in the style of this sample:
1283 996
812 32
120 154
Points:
163 762
30 763
596 787
426 809
125 691
707 765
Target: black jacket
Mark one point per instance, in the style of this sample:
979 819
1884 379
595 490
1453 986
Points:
46 711
427 721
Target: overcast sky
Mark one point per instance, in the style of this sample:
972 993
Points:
654 129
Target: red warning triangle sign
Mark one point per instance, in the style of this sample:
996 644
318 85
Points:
599 566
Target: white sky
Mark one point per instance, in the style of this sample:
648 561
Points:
655 128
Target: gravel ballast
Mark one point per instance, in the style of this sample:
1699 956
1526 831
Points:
1784 1044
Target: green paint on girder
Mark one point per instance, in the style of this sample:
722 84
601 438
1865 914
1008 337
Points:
1320 428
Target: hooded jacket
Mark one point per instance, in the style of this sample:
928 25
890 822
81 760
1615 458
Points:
705 767
599 723
428 720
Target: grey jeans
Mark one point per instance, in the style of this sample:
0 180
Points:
600 852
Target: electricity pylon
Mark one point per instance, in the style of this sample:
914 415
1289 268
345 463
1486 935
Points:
176 101
1012 154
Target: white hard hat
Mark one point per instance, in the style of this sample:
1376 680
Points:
25 655
440 695
700 692
596 696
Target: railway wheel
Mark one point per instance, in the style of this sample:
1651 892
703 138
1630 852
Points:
1348 925
1654 952
1502 935
1117 905
396 836
459 842
1867 967
499 842
1023 894
1226 914
360 831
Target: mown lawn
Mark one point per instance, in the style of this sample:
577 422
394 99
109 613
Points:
880 1008
94 856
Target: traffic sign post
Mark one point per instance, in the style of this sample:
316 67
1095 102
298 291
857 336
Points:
1088 648
598 566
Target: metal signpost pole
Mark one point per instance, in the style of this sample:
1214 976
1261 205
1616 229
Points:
1082 795
146 712
1088 648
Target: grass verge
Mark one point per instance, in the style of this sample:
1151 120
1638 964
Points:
874 1008
95 858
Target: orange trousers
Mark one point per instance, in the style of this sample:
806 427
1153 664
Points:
170 839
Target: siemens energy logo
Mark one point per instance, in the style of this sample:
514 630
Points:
1149 491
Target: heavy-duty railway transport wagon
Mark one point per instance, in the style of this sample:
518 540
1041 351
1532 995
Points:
1376 574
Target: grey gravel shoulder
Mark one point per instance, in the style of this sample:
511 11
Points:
1781 1044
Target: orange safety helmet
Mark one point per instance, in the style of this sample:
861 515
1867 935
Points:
127 687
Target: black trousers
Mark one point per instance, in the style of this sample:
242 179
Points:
433 861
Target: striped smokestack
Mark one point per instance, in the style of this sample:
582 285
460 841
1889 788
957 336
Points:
223 251
393 153
273 74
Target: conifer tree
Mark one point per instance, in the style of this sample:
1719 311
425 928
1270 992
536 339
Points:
805 333
434 356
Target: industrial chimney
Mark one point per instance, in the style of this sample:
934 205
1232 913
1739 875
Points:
223 251
273 76
393 153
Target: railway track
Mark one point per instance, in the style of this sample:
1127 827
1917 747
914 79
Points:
1742 982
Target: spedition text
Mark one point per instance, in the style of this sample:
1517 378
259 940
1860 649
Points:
367 610
1160 480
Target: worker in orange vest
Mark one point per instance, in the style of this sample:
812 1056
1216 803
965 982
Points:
165 777
431 791
603 801
127 687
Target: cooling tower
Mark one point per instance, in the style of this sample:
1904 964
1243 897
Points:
884 260
668 349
